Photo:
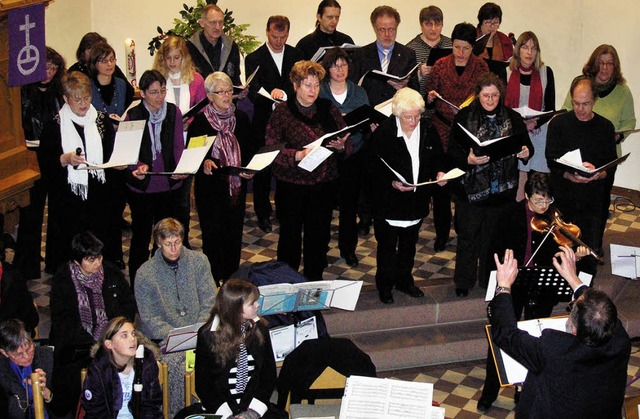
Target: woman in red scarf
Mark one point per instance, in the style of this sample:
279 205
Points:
220 188
530 83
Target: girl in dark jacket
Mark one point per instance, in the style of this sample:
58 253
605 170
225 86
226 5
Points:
108 388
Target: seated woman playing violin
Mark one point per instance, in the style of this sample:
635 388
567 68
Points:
525 231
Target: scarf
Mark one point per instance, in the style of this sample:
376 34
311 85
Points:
92 147
23 373
603 89
90 299
512 98
155 127
242 363
487 127
184 101
225 148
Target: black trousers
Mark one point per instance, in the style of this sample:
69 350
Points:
395 254
29 243
261 194
476 226
221 222
304 212
442 212
146 210
349 196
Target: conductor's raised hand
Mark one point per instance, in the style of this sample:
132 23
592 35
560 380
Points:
565 263
507 271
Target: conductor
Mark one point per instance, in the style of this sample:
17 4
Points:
580 373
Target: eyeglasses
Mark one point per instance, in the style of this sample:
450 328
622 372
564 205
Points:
606 64
215 22
389 31
432 24
492 23
92 259
228 92
339 66
542 202
527 48
411 118
157 92
80 100
108 60
489 95
52 67
310 86
172 245
24 351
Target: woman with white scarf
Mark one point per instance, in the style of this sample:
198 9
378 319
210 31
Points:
79 199
220 188
156 197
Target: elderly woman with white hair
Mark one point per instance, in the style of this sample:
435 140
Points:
412 147
220 187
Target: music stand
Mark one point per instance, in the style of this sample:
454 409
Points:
544 284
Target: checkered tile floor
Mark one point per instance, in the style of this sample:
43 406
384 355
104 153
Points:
457 386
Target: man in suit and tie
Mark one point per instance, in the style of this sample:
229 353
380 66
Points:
275 59
384 54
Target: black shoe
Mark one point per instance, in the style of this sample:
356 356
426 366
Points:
516 395
351 259
412 291
386 297
440 245
462 292
265 225
124 224
119 263
363 229
484 406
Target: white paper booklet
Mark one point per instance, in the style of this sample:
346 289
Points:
126 148
285 339
383 398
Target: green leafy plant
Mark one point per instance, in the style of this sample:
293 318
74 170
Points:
187 25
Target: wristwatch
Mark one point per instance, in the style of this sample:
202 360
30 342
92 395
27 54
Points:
503 290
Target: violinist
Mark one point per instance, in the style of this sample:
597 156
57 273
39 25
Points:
516 232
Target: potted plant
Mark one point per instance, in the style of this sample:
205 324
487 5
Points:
187 25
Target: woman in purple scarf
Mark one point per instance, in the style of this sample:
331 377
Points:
220 186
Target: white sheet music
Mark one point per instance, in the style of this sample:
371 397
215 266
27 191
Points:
126 148
625 261
262 160
192 158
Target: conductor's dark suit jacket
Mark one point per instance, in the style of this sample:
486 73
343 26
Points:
366 59
567 378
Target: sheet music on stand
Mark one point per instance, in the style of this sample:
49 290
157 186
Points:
545 283
625 261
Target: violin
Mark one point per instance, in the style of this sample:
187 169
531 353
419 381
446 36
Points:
564 233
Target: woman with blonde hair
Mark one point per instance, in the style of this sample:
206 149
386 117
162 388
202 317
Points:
185 86
531 83
235 369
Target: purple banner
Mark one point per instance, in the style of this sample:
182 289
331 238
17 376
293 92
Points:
27 47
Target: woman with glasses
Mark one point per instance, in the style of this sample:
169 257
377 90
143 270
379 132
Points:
452 78
412 148
498 47
488 188
614 101
20 358
85 294
41 102
173 289
304 199
220 186
530 248
109 94
154 197
79 198
531 83
347 96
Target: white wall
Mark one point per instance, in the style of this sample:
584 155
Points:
568 30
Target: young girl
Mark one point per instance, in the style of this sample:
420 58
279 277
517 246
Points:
235 369
108 388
